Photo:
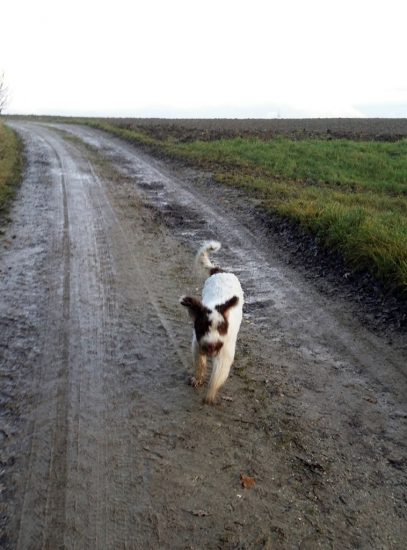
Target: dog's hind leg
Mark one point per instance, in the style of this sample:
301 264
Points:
199 361
220 372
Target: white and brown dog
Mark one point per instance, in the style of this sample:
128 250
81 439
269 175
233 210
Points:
217 318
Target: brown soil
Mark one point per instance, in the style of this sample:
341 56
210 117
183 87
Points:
104 445
184 130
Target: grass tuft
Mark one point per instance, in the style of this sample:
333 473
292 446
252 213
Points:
10 165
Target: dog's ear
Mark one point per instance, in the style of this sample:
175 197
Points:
224 308
195 306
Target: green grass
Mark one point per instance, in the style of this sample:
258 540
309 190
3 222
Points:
351 195
10 165
351 165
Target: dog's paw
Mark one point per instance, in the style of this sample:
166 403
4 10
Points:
196 382
209 400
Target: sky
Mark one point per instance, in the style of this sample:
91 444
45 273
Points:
210 58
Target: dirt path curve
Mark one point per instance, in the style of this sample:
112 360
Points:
103 443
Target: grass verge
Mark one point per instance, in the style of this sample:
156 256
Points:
10 166
351 195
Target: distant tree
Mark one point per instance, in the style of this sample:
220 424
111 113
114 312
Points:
3 93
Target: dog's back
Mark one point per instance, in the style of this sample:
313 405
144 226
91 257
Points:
220 286
218 289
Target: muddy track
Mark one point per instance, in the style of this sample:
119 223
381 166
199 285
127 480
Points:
103 443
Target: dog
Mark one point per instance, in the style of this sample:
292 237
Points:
217 319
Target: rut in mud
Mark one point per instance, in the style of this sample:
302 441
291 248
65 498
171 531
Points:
103 443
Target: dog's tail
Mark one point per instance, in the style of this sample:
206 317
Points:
202 262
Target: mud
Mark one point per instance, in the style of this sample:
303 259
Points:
104 445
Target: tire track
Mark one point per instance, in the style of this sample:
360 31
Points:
152 297
48 442
55 506
91 489
94 309
66 435
32 293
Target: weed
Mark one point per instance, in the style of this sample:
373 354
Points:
11 164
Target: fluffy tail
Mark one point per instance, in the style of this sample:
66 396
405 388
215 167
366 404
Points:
203 265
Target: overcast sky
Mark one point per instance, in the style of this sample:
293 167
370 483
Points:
193 58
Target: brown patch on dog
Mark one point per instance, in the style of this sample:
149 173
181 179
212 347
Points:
212 349
216 270
202 324
223 327
224 308
195 306
200 315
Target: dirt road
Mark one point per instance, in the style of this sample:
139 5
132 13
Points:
105 446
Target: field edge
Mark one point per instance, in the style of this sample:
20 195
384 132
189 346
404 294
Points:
11 167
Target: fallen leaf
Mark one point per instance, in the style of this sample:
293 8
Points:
371 400
247 482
